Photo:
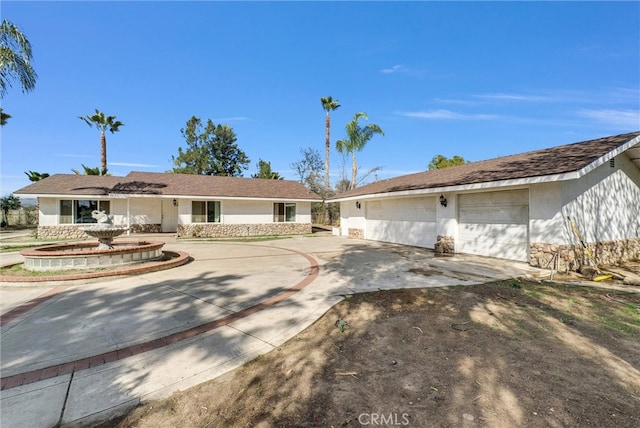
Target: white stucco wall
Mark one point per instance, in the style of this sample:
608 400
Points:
246 212
48 215
604 205
145 211
351 217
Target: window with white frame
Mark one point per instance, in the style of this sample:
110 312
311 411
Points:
284 212
205 211
78 211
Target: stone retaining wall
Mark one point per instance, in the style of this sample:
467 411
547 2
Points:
62 232
444 245
146 228
356 233
564 258
218 230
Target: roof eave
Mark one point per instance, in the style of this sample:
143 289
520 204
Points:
519 182
130 196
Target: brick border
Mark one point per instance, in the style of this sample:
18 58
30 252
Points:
120 354
144 267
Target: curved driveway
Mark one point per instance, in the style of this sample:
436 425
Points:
90 350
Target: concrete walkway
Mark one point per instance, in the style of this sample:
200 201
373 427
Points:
86 351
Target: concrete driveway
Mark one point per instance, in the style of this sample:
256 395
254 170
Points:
86 351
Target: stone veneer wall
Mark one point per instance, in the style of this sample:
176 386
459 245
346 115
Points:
356 233
573 257
62 232
69 231
218 230
444 245
146 228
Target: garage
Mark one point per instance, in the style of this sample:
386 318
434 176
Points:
494 224
408 221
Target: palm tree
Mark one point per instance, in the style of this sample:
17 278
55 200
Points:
103 123
328 104
87 170
15 59
36 176
357 138
4 117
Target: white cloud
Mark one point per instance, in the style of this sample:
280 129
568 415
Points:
447 115
399 68
513 97
394 69
624 118
231 119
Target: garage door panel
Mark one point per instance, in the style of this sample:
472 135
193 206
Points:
494 224
409 209
419 234
495 215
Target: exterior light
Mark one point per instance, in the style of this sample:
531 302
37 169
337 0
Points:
443 201
175 203
358 205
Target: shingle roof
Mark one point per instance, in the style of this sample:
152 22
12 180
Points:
551 161
161 184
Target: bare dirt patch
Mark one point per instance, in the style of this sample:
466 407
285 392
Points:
501 354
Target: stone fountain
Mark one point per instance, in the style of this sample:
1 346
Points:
104 230
86 255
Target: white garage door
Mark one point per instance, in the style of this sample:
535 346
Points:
494 224
408 221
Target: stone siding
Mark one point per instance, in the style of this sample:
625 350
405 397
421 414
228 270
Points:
356 233
74 231
218 230
564 258
146 228
444 245
62 232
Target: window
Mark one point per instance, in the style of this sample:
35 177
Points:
79 211
284 212
205 212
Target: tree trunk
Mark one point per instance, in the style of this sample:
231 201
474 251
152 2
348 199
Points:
327 147
354 170
103 152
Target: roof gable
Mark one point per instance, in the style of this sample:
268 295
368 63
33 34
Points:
539 163
169 185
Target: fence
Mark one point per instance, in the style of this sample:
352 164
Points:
25 216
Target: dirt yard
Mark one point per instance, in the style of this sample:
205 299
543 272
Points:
503 354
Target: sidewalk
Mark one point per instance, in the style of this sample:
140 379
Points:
92 351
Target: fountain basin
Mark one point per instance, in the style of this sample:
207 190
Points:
86 255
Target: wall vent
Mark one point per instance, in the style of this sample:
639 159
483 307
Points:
612 163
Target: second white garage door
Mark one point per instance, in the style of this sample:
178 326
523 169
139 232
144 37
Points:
408 221
494 224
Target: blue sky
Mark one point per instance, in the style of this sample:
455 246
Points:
474 79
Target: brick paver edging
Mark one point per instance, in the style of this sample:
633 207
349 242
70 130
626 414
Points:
146 267
120 354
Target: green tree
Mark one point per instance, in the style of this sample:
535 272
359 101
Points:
329 105
211 150
36 176
7 203
103 123
86 170
15 59
264 171
441 161
4 117
357 137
